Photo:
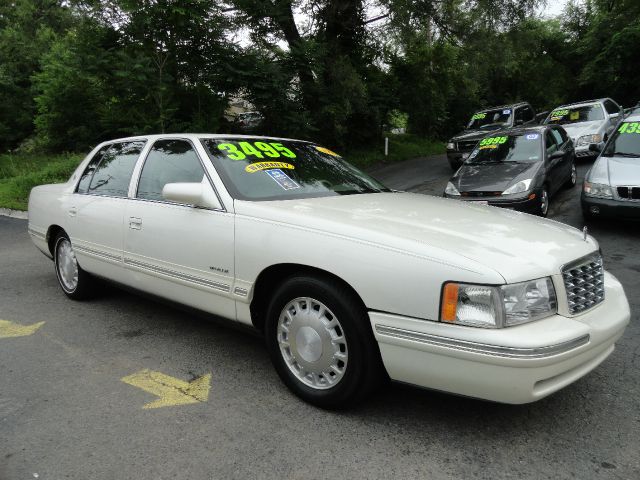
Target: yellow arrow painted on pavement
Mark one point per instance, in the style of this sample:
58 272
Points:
9 329
171 390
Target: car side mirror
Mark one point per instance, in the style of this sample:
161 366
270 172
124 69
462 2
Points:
556 154
614 115
196 194
596 147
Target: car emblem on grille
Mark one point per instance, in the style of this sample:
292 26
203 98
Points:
585 233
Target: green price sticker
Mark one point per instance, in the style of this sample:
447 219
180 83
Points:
493 141
629 127
479 116
242 150
559 113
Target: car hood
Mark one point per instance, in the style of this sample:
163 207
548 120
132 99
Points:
577 130
492 177
623 170
516 245
474 134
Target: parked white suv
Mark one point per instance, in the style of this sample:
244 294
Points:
587 122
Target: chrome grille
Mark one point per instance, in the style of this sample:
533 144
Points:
629 193
584 283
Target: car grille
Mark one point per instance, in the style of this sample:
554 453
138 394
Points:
480 194
584 283
629 193
466 145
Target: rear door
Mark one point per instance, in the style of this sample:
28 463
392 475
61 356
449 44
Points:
555 167
97 208
180 252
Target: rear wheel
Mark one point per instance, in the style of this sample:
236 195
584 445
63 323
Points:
320 342
74 281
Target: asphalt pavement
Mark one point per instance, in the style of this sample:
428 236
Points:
67 411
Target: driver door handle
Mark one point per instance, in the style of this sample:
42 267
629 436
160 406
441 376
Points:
73 211
135 223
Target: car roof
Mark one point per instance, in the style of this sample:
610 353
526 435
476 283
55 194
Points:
197 136
510 105
518 130
583 102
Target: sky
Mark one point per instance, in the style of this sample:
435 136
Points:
553 8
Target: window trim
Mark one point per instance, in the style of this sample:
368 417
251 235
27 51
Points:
134 192
110 144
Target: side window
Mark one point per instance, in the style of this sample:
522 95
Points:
528 114
518 115
550 142
169 161
557 136
113 174
611 107
83 184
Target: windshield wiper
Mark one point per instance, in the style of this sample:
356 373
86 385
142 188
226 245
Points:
621 154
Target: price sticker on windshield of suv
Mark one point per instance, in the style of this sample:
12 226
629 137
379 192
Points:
629 127
243 150
479 116
492 142
558 114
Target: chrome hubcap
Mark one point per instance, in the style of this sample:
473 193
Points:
544 202
67 265
312 343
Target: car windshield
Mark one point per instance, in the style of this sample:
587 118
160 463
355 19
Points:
269 169
520 148
625 142
490 119
566 115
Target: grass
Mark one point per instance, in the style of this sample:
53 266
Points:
401 147
20 173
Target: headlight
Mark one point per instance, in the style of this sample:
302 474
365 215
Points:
451 146
497 307
451 189
520 187
587 139
599 190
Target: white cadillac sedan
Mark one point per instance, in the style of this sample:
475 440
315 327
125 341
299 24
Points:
348 281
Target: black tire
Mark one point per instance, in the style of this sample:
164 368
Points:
544 193
363 369
573 177
84 287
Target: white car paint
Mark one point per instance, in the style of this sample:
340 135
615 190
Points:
395 250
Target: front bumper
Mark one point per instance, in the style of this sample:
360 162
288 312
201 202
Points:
609 208
583 152
515 365
519 204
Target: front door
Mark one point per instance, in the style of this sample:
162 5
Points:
180 252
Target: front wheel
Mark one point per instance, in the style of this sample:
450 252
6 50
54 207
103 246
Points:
544 202
74 281
573 176
320 342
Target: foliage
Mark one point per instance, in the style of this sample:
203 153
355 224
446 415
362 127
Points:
20 173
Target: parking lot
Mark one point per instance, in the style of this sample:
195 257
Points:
73 390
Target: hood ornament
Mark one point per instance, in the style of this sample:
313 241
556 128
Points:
585 233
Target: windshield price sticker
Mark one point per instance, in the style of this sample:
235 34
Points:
533 136
242 150
327 151
282 179
506 112
259 166
492 142
479 116
558 114
574 115
630 127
